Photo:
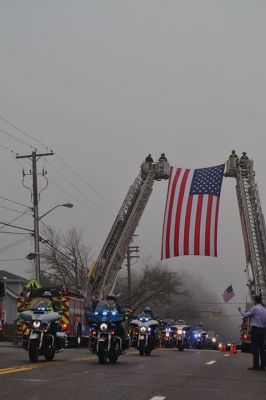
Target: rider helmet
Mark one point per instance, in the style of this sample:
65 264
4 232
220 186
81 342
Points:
147 310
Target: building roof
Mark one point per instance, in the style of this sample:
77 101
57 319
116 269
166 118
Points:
11 277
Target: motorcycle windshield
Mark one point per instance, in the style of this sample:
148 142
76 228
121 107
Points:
107 312
144 318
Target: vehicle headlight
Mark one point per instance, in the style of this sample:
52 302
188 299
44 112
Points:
213 340
184 332
36 324
179 331
143 329
167 334
103 327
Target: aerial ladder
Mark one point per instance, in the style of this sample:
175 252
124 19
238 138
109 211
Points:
252 222
103 274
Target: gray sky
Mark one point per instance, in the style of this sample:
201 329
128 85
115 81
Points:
105 82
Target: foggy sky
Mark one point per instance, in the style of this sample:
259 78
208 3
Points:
105 82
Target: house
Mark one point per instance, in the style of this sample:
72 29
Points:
13 287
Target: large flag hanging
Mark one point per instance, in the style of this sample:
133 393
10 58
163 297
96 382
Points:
228 294
191 212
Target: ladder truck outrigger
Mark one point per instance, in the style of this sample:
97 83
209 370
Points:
253 229
103 274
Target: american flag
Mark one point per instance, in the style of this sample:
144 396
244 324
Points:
191 212
228 294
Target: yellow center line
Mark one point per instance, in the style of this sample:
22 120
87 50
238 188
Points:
22 368
4 371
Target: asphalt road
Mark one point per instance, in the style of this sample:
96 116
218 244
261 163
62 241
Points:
166 374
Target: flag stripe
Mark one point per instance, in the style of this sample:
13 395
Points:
175 205
192 224
216 228
166 213
187 226
169 218
203 224
197 226
208 226
214 205
178 212
183 218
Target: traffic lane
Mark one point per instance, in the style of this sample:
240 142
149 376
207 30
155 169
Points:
166 373
220 376
11 355
14 356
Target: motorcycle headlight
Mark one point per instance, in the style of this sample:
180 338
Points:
143 329
179 331
36 324
103 327
167 334
213 340
184 332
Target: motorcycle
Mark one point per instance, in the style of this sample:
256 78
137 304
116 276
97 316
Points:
182 340
107 336
144 335
45 337
168 336
199 338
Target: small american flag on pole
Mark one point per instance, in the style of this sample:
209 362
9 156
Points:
228 294
191 212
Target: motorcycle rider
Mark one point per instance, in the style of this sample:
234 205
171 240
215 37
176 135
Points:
120 328
147 313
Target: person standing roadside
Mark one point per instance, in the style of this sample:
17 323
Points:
257 318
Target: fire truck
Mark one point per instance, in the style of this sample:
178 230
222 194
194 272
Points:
70 304
103 273
254 232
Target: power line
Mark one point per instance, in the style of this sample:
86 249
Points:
14 244
77 189
12 209
13 233
84 181
59 157
14 219
23 132
14 137
79 201
7 148
12 201
15 226
14 259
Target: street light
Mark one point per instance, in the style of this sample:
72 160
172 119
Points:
68 205
37 237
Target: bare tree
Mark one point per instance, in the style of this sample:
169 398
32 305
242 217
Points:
65 259
154 286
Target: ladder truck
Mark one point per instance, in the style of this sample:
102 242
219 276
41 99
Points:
103 274
253 229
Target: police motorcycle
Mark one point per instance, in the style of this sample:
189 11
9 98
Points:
45 338
168 334
182 339
199 337
108 338
212 340
144 333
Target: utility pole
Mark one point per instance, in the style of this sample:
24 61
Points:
132 253
35 197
